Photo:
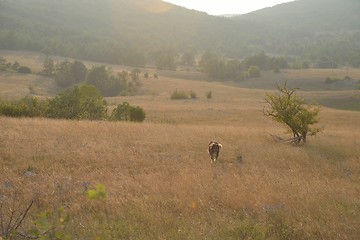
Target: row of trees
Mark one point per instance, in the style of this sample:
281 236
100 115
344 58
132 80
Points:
68 73
15 67
222 69
80 102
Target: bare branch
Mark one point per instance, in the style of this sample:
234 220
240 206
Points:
24 215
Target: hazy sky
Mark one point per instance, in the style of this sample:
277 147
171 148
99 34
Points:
218 7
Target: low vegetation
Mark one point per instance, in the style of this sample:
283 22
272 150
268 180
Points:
126 112
177 94
80 102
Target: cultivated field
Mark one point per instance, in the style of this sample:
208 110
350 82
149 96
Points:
159 180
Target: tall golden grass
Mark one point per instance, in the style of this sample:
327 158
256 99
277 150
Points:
159 179
161 183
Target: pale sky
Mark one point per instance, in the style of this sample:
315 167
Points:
219 7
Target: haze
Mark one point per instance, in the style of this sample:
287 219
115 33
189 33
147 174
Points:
226 6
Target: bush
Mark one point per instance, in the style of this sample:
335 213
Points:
208 95
24 69
179 95
26 107
287 108
84 102
330 80
126 112
254 72
193 95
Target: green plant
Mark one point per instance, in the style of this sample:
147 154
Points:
24 69
50 225
254 72
330 80
25 107
126 112
179 95
287 108
84 102
98 193
208 95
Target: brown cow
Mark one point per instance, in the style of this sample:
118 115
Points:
214 149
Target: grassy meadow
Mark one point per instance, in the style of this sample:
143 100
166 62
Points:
159 180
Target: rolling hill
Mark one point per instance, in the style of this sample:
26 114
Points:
136 32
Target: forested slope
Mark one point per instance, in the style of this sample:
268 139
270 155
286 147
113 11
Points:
135 32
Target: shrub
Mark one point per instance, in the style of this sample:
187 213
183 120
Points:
126 112
84 102
26 107
254 72
287 108
330 80
179 95
193 95
23 69
208 95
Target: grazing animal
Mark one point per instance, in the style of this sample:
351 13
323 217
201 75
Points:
214 149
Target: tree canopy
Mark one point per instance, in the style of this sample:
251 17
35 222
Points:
287 108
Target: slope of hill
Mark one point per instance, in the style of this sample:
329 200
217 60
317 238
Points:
322 31
110 31
309 16
137 32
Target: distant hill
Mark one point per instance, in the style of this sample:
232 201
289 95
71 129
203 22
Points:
310 16
136 32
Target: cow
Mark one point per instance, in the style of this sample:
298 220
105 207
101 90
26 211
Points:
214 149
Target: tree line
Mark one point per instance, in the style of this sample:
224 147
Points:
76 103
110 84
219 68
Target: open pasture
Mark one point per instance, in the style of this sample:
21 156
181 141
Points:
160 182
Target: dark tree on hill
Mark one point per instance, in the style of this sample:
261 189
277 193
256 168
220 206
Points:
188 58
67 73
107 83
165 58
49 67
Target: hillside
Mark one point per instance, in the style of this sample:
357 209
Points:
138 32
325 32
309 16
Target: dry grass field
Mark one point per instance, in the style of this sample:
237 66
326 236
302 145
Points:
160 182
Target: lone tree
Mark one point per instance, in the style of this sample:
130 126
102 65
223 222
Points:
287 108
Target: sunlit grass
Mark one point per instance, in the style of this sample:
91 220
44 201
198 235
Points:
161 184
